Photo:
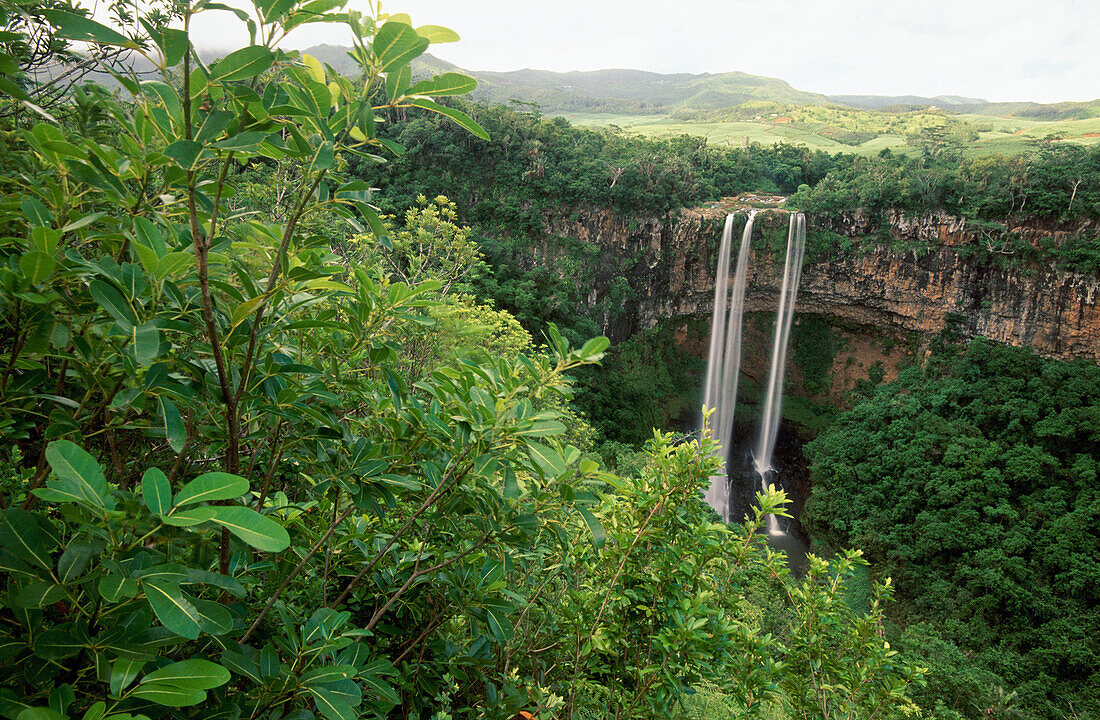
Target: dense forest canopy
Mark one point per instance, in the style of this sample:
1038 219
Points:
298 424
972 481
268 455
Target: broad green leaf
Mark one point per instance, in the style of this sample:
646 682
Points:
174 611
175 46
169 695
155 491
197 674
593 349
83 221
189 517
10 88
542 428
313 67
396 44
445 84
259 531
123 672
115 587
39 714
547 459
146 343
74 561
461 118
242 665
436 34
599 535
323 159
216 619
78 27
167 95
378 688
397 82
57 644
39 594
223 582
329 674
79 475
28 536
331 706
243 142
111 300
346 690
184 153
212 486
511 485
242 64
170 573
36 266
500 627
96 712
172 263
147 256
213 125
175 432
37 214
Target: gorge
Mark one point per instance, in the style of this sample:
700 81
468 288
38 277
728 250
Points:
918 275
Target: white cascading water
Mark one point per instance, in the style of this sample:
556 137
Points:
724 356
769 424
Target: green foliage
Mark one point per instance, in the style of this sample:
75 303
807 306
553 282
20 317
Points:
813 350
1055 181
971 481
259 468
645 382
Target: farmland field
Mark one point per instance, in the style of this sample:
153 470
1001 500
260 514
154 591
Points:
996 135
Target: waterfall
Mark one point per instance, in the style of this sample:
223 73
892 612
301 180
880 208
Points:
724 356
769 424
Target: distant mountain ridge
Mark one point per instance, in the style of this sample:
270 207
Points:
640 92
610 91
877 102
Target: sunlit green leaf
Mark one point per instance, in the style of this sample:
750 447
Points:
461 118
241 64
259 531
79 475
397 44
173 610
155 491
445 84
79 27
437 34
212 486
198 674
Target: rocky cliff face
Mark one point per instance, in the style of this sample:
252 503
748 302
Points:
950 277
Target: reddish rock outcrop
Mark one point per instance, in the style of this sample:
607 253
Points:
952 275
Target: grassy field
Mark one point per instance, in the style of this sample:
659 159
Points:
997 135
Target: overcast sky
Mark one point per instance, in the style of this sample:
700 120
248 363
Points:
1046 50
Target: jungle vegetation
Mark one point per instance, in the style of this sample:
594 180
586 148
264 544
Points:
971 480
267 455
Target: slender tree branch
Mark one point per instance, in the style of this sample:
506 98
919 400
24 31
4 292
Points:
294 573
443 484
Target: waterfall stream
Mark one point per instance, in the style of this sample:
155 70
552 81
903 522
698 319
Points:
724 356
773 402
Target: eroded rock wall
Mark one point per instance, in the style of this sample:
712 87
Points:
948 276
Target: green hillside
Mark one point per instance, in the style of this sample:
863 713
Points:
635 90
606 91
735 108
1037 111
878 102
